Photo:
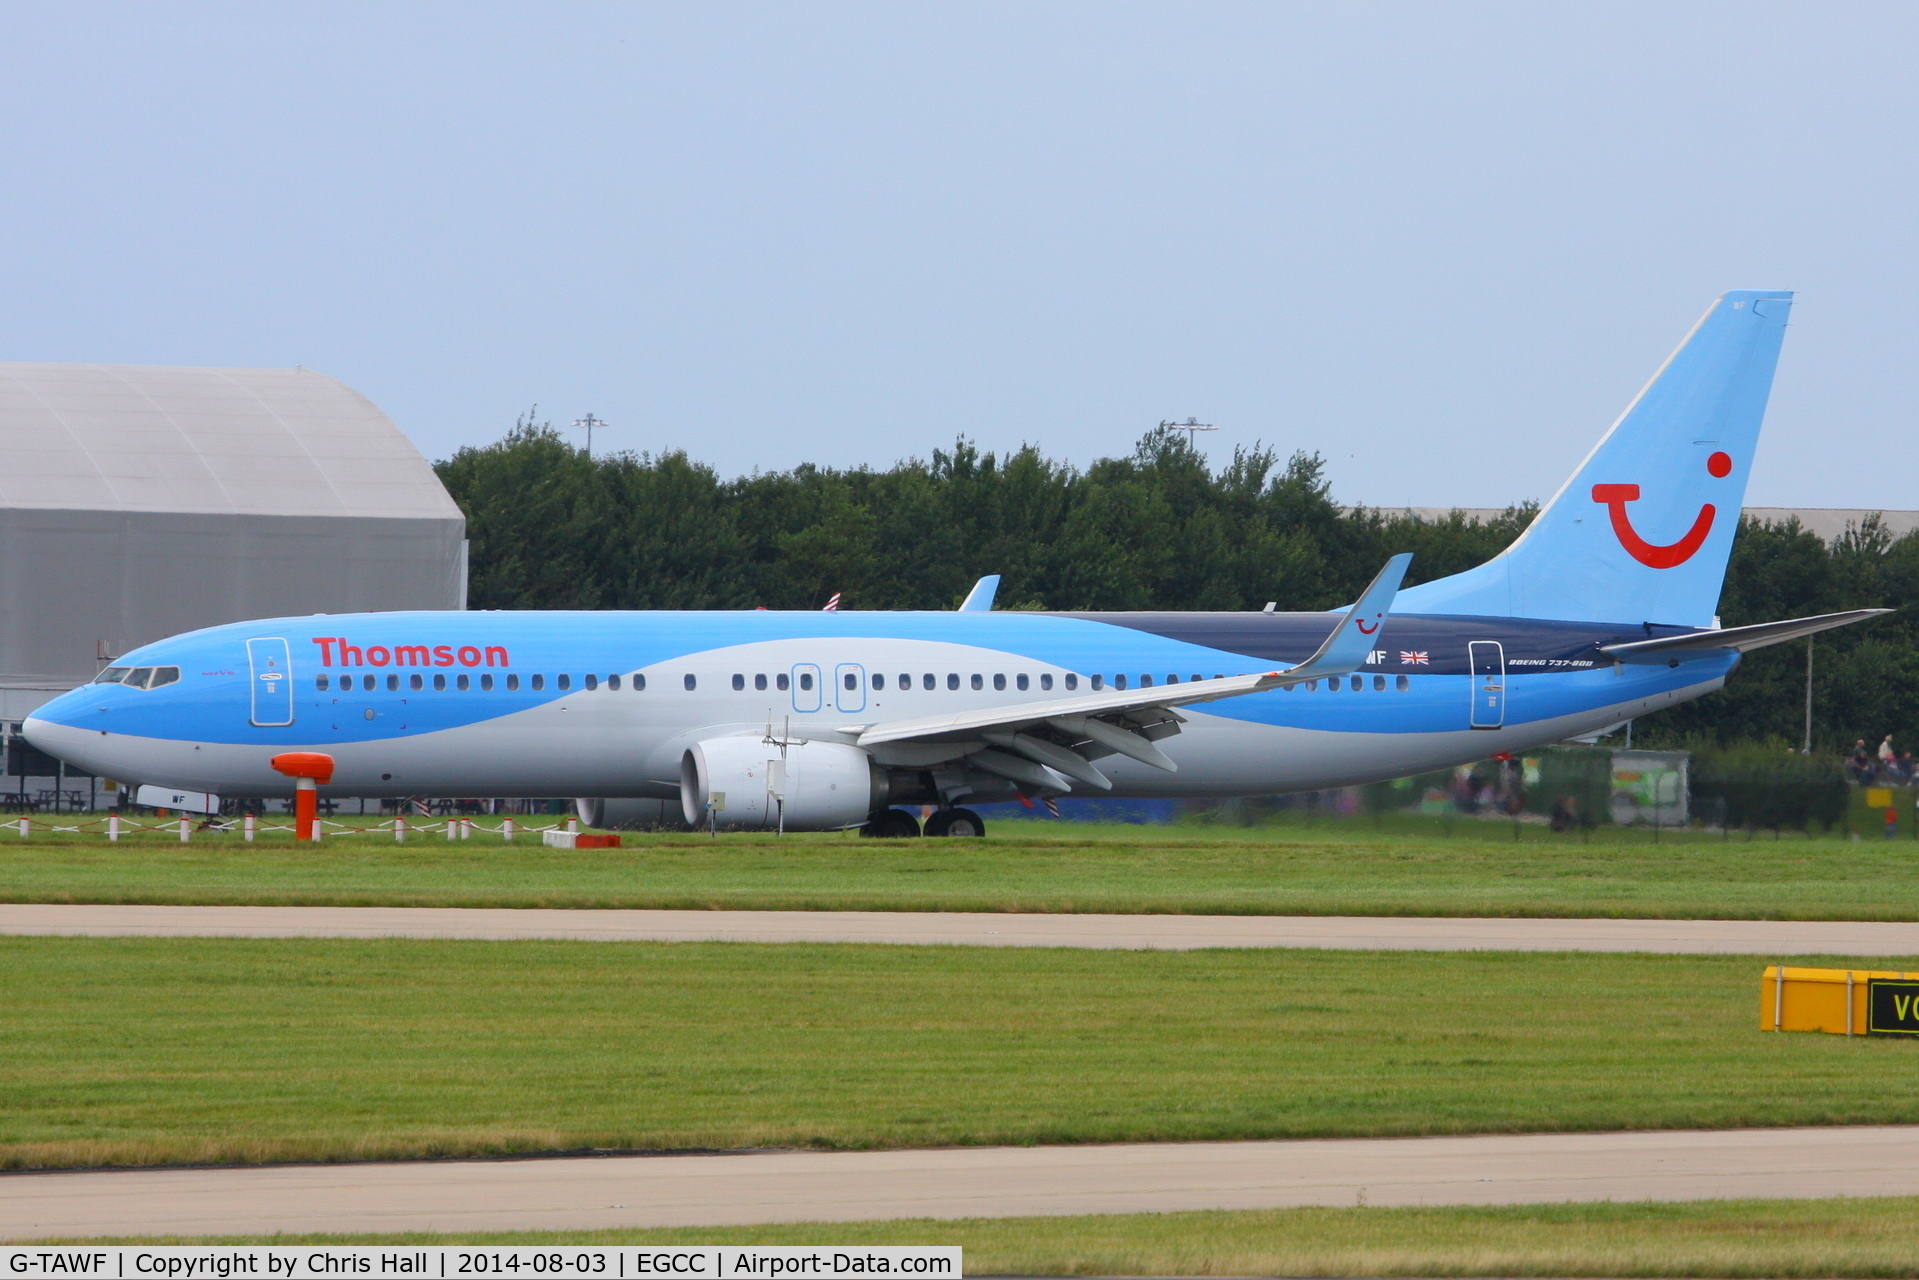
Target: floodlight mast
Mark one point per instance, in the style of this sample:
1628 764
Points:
1192 427
590 422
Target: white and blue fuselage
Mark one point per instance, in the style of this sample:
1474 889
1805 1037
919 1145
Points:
608 703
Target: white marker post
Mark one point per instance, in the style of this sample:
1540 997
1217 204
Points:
251 827
113 826
186 828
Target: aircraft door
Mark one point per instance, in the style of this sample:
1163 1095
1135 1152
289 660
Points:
271 667
806 687
1488 659
849 687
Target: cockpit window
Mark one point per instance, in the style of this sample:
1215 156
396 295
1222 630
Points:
137 678
163 675
112 675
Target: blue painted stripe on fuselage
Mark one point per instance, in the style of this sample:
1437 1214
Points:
210 701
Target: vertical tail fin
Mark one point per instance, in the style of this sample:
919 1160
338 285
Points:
1642 531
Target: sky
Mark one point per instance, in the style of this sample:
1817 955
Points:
1442 245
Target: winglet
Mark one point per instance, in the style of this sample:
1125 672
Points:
1347 648
980 598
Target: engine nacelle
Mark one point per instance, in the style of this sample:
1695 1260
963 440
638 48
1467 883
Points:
751 783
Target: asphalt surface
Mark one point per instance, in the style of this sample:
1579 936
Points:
1146 932
758 1187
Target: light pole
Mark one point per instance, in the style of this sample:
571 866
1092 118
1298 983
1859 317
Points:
1192 427
590 422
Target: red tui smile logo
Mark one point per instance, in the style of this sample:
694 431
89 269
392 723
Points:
1616 496
1363 628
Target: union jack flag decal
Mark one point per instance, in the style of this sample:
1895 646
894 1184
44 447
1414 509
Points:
1414 658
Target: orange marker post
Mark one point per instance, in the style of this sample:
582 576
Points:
307 769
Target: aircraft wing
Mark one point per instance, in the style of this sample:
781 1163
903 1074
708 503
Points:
1699 644
1037 742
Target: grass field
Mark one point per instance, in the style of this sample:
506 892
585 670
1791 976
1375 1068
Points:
142 1051
1731 1238
1326 868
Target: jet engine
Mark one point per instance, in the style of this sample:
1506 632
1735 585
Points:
758 785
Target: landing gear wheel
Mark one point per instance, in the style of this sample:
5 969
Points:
955 822
891 824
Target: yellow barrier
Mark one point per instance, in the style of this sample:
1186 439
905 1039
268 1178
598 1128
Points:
1845 1002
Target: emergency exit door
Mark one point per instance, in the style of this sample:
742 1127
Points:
271 667
1488 660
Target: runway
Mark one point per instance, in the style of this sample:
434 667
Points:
759 1187
954 928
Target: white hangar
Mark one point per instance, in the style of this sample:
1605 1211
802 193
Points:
136 503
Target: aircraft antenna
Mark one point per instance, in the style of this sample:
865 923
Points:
1192 427
589 422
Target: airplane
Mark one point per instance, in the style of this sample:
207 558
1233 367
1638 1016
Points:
1602 611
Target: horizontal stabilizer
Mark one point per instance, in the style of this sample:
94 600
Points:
1700 644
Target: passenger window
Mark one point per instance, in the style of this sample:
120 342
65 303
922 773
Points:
1046 680
1401 683
392 684
639 681
999 682
852 682
806 682
977 682
1379 684
879 682
320 683
780 682
465 681
1119 682
1022 681
1312 686
1072 682
739 682
1145 682
563 681
486 683
1172 679
1098 682
346 682
163 675
691 681
952 680
539 683
1357 682
439 680
613 682
592 682
928 682
759 682
512 683
415 682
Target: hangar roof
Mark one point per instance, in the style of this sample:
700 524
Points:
287 442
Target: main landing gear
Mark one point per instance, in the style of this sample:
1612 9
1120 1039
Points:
955 822
891 824
898 824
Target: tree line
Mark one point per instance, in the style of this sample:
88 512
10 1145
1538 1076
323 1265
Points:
553 528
